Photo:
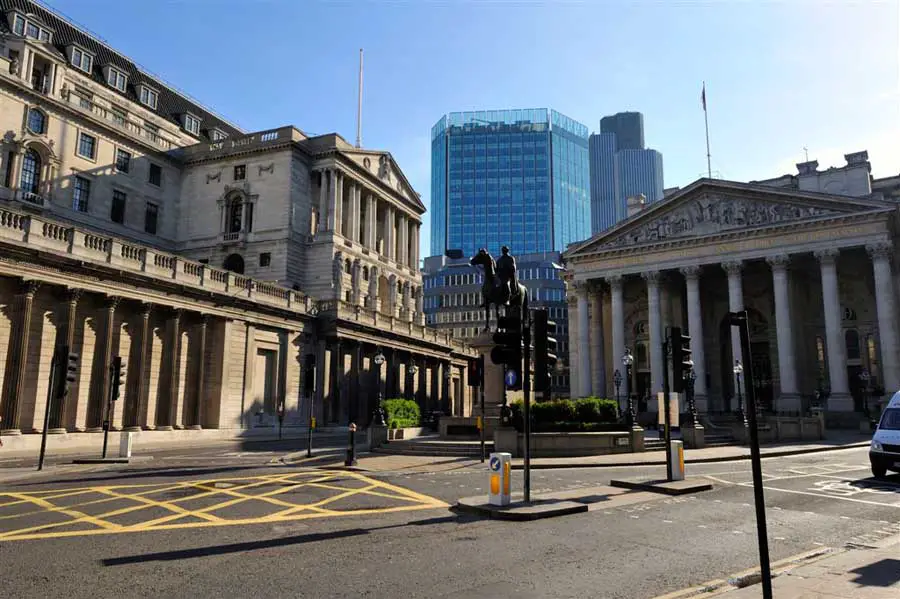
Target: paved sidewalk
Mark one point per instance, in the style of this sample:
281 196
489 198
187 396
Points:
375 462
852 574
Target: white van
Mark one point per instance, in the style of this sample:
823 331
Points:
884 454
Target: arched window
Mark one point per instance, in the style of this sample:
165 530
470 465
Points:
37 121
348 266
234 263
851 340
31 172
365 273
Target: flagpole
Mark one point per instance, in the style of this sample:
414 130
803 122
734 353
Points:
706 123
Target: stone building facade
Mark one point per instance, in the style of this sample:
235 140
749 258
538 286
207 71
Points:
814 270
223 265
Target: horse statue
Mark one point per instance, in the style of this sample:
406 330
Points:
509 293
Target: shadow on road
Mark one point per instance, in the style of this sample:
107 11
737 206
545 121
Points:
154 472
883 573
265 544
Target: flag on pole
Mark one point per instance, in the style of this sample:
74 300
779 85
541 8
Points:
703 96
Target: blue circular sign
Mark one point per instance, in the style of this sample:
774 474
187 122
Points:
511 378
495 464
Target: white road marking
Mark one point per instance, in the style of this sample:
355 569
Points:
826 496
667 521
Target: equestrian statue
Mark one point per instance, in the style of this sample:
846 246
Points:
501 285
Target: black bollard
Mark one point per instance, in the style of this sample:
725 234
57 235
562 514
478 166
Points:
351 450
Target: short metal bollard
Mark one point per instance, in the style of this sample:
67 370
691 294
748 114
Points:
499 473
351 451
677 457
125 444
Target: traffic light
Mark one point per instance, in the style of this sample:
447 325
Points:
508 350
117 376
682 363
476 371
66 371
544 350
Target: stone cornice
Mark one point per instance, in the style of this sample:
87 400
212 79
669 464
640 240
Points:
725 236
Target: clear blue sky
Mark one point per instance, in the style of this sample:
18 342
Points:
779 75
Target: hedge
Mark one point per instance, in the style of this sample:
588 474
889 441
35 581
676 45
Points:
402 413
567 415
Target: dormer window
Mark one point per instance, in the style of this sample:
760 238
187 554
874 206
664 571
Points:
29 27
191 124
116 78
217 135
148 97
81 59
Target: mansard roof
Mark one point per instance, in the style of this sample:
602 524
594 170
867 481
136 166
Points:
171 104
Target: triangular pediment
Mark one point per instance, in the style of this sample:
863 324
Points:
709 207
383 167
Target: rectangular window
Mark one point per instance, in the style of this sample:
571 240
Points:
192 124
18 25
149 97
217 135
81 194
123 161
31 30
155 175
151 217
45 35
82 60
87 146
240 172
116 79
265 259
117 212
118 115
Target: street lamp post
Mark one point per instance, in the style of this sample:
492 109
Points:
410 392
378 416
864 379
738 371
628 361
617 381
690 378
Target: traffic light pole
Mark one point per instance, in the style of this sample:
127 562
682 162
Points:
666 421
51 391
526 392
740 320
113 381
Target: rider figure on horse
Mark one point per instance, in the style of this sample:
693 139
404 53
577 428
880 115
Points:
506 272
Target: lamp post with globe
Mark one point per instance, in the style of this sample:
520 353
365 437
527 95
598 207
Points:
617 381
738 371
628 362
378 416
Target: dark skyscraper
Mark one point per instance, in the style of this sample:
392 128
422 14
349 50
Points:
628 127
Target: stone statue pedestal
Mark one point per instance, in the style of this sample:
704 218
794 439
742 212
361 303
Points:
494 386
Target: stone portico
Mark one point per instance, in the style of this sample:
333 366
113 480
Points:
813 270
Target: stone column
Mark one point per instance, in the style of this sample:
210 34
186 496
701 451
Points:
735 304
388 232
201 374
415 247
403 240
133 419
356 282
695 330
323 201
58 413
339 202
789 399
174 387
318 398
103 402
656 338
598 362
887 322
354 215
392 294
618 334
337 376
584 352
355 391
371 222
839 399
10 423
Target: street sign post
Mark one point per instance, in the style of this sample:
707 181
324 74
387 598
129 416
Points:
498 473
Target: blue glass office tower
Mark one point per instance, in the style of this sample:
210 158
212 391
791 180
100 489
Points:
509 177
620 168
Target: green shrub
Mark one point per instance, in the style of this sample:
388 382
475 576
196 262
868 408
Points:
588 414
402 413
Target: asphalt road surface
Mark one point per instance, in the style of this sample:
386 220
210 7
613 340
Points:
256 529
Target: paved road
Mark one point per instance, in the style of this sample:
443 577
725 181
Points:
257 529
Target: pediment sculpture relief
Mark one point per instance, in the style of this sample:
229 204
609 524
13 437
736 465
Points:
713 214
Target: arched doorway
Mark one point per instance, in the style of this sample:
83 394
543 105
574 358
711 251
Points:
234 263
759 359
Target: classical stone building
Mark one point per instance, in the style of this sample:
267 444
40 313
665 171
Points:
225 267
814 270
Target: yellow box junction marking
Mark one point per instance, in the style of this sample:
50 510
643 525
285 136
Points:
239 490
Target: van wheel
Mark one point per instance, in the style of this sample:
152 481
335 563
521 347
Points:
879 471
